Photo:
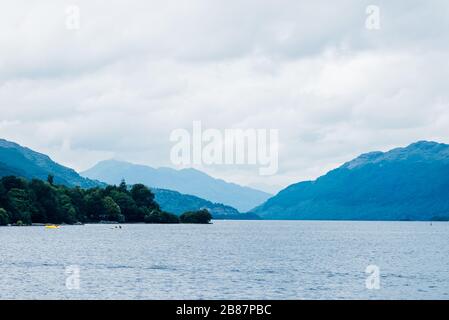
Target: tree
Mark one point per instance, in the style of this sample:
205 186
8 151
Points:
77 197
67 209
94 205
4 217
19 206
128 206
50 179
112 211
13 182
157 216
201 216
143 196
46 202
122 186
3 192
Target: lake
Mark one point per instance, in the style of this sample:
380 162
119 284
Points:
226 260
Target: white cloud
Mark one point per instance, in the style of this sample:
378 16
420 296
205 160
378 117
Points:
132 73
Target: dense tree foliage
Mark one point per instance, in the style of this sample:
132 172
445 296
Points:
4 218
161 217
37 201
201 216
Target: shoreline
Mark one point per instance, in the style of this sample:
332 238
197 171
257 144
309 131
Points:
210 223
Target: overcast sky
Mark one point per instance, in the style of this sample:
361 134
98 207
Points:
136 70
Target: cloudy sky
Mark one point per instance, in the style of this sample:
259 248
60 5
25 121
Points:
135 70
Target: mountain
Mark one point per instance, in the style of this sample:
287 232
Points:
175 202
16 160
20 161
187 181
410 183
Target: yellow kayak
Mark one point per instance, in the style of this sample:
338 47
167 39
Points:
52 227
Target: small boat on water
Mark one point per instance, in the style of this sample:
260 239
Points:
52 226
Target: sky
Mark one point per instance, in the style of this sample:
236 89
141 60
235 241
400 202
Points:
117 81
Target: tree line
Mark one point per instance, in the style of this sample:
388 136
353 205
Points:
35 201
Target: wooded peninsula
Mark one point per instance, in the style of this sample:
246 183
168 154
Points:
23 202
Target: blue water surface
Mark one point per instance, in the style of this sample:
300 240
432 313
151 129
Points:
226 260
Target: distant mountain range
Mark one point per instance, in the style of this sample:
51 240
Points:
175 202
20 161
23 162
187 181
409 183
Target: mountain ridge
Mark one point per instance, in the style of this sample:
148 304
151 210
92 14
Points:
22 161
16 160
188 181
408 183
178 203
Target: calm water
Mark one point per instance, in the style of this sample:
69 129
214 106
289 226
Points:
228 260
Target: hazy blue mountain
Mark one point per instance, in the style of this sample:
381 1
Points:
187 181
20 161
178 203
409 183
